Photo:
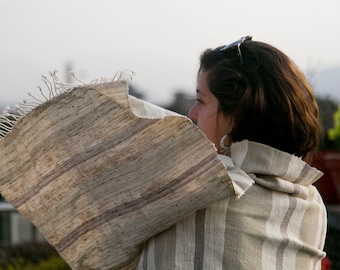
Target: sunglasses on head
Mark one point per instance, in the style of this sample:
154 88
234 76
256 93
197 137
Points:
237 44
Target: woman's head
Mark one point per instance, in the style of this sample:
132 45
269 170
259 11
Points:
263 96
210 119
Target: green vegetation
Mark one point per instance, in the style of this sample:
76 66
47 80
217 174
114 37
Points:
327 107
334 133
31 256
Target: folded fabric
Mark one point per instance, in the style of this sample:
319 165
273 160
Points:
99 172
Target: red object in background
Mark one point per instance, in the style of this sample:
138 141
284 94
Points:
326 184
326 264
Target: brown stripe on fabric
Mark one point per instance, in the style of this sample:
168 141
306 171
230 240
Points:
129 207
283 230
303 173
199 239
245 224
77 159
165 249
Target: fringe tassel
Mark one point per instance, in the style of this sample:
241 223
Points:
53 88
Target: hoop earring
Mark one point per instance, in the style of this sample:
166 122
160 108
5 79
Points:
223 147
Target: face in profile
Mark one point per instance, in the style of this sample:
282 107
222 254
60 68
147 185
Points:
210 120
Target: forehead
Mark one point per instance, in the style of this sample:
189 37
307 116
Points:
202 83
203 90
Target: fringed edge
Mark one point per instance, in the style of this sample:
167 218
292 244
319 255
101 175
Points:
53 88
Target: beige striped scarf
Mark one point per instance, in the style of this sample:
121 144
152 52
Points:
279 223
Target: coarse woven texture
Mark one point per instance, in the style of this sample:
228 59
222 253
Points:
99 172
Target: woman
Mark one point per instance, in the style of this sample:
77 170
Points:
258 109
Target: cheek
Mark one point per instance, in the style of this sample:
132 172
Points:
207 125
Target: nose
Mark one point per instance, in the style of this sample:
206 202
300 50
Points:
193 113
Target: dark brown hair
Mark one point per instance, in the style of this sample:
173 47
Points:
268 96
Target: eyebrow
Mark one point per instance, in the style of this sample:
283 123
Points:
201 93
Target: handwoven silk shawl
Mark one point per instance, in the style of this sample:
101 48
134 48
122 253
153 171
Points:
99 173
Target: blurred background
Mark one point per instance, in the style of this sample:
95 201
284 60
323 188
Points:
160 41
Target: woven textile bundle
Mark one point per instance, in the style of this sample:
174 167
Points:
99 172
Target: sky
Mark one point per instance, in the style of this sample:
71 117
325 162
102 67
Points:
160 41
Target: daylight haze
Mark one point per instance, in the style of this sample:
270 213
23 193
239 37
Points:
159 40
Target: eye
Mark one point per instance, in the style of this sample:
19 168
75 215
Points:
199 100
